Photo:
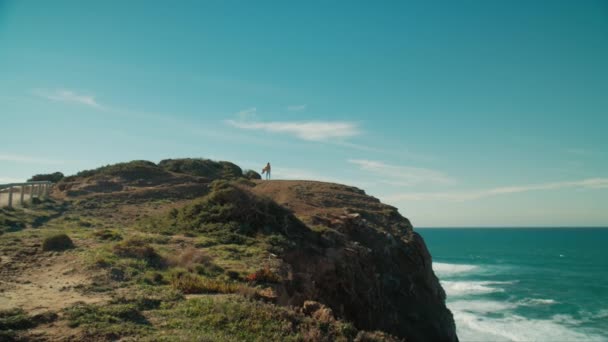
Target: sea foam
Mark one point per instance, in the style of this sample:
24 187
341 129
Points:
444 269
476 327
536 301
462 288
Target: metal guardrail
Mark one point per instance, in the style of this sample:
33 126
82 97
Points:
39 189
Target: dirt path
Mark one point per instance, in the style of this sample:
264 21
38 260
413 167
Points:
38 281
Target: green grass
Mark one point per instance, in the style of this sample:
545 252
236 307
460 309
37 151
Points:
234 318
189 283
14 320
110 321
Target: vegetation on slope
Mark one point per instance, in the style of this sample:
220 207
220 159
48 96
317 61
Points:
147 262
52 177
202 168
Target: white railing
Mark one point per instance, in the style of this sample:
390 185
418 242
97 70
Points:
39 189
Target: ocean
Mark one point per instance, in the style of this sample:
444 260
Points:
524 284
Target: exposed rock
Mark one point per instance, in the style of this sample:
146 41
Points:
376 272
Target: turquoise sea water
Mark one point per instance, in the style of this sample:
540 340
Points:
536 284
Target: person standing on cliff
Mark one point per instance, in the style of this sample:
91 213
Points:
266 170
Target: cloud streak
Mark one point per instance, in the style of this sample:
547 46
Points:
68 96
305 130
402 175
462 196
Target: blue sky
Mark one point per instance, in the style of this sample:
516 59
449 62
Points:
472 113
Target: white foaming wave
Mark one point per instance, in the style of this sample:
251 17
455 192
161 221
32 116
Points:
473 327
444 269
462 288
536 301
480 306
601 314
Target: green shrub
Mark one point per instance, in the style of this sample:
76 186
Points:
189 258
250 174
264 275
17 319
202 168
110 322
52 177
189 283
59 242
228 214
81 314
138 249
133 170
209 270
154 278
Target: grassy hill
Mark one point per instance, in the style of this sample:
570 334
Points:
191 249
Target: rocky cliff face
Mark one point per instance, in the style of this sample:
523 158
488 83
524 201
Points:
369 265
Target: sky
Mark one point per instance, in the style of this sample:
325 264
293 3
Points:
460 114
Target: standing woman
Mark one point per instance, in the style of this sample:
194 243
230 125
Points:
266 170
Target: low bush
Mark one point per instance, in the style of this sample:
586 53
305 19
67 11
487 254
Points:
202 168
53 177
264 275
138 249
154 278
17 319
59 242
250 174
209 270
189 283
189 258
229 214
108 322
133 170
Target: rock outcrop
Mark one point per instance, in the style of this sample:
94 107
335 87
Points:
368 266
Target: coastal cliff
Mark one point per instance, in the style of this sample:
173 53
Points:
213 254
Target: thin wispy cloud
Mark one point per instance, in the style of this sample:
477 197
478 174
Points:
28 159
305 130
68 96
296 108
590 183
402 175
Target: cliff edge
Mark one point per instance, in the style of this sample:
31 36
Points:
290 260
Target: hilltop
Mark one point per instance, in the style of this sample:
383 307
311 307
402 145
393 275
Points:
194 249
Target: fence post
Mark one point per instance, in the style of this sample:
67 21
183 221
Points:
21 196
10 196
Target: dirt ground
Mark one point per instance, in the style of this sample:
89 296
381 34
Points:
38 282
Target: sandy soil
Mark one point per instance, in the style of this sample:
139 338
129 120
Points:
39 281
